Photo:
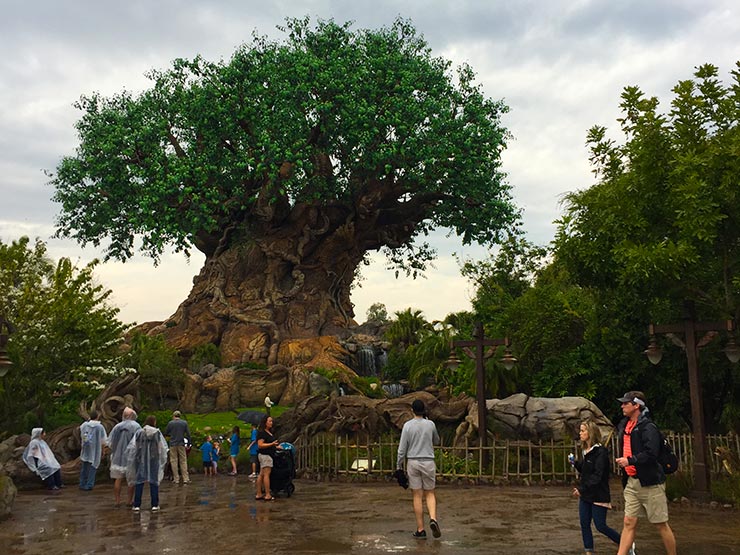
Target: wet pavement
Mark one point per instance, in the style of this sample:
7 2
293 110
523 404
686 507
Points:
220 515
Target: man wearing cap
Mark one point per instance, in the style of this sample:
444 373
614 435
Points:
418 438
177 431
642 476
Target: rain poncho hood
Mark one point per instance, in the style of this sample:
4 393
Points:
146 456
118 440
92 438
39 457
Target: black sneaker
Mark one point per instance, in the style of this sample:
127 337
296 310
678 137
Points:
420 534
436 532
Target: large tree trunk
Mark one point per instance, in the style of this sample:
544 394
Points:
253 294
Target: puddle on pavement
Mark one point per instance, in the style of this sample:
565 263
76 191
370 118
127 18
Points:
332 518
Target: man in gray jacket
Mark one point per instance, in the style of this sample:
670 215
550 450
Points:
177 431
418 438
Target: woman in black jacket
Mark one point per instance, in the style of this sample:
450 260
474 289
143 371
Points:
593 489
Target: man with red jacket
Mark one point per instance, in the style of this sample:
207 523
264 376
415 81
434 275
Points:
642 476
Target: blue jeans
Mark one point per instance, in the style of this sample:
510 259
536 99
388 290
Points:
588 511
153 491
87 475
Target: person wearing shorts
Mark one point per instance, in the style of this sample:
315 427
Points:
418 437
118 441
643 478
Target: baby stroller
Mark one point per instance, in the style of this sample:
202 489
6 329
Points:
283 470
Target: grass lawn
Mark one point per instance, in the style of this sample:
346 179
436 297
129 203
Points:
215 423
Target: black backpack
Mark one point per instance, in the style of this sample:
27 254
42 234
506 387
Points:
666 457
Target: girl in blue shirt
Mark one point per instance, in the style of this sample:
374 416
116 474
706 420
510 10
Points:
235 443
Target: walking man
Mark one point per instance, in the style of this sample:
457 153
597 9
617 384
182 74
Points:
642 476
92 438
177 431
418 438
118 441
268 404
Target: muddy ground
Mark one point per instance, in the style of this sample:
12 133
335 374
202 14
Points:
220 515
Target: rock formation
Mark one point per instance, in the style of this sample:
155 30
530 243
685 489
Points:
516 417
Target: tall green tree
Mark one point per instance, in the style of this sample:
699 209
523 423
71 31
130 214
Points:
285 165
66 334
662 224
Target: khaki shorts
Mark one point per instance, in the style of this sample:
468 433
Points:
645 501
265 461
422 473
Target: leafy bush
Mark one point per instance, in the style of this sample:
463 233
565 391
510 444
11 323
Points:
157 364
203 355
64 332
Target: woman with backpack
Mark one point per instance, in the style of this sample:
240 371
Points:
594 498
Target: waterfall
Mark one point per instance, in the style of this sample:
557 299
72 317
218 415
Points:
393 390
366 361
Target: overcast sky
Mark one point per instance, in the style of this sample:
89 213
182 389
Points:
559 65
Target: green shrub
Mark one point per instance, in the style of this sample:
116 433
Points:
365 386
203 355
726 489
678 485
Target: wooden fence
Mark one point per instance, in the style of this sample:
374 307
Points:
518 460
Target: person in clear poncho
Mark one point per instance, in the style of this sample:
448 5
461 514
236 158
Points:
40 459
146 456
118 440
92 438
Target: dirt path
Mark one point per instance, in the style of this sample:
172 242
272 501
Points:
219 515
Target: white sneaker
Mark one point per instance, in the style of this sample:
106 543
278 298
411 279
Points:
632 550
155 509
136 509
253 475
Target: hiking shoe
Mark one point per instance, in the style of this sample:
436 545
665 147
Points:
136 509
436 532
632 550
420 534
155 508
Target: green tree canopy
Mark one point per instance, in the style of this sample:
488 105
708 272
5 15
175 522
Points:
661 225
365 123
664 217
66 335
285 165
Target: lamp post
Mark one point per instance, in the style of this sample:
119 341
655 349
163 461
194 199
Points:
689 328
5 331
480 356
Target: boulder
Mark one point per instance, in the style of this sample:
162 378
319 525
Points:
253 385
319 385
7 496
297 387
223 385
520 416
191 392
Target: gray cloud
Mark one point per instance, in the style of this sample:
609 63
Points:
559 65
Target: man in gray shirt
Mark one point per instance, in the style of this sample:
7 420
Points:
177 431
418 438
